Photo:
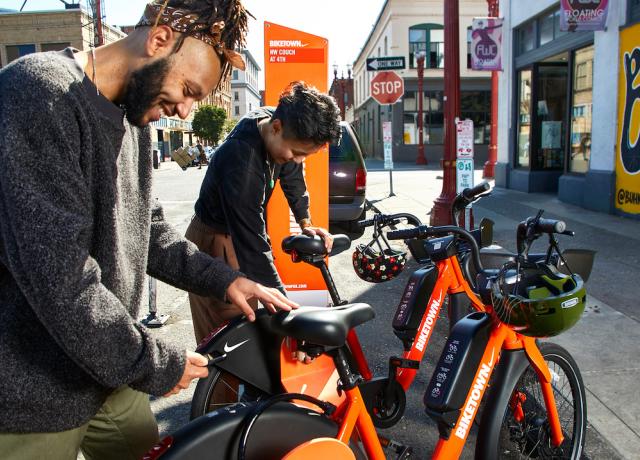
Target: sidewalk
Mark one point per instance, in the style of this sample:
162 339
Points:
606 342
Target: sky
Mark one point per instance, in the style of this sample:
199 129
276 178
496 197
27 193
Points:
346 23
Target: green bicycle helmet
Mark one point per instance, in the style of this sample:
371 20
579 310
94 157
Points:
540 301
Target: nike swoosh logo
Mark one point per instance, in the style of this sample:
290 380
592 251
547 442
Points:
228 349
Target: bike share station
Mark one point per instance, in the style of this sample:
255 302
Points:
242 409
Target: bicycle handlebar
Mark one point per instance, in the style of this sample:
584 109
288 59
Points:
466 197
471 193
532 227
390 219
424 231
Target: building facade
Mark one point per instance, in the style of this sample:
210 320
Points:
406 28
22 33
559 110
244 87
342 91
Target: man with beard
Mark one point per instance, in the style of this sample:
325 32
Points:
79 231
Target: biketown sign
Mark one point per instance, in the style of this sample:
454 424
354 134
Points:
387 87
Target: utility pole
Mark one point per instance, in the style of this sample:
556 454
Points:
489 169
441 211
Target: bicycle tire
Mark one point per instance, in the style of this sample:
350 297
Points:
219 389
501 436
217 437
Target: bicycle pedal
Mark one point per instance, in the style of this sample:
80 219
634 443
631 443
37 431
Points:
400 449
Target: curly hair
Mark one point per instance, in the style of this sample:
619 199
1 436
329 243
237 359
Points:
308 115
232 12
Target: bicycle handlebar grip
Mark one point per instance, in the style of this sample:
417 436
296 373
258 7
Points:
365 223
404 234
470 193
551 226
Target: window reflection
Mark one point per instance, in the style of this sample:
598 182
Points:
581 110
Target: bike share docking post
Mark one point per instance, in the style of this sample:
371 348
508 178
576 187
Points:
154 320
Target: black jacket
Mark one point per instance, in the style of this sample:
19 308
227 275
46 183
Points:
235 193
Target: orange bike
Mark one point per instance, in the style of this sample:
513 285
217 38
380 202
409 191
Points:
536 407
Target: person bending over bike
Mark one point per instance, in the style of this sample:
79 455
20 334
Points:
78 233
266 145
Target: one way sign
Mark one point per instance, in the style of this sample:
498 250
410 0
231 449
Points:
385 63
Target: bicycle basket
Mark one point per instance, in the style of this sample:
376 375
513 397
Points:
538 301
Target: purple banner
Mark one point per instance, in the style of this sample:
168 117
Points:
577 15
486 44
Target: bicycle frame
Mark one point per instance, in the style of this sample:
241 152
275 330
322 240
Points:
356 416
318 378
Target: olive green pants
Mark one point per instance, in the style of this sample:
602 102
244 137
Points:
124 428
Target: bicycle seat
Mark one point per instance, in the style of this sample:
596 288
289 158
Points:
322 325
314 246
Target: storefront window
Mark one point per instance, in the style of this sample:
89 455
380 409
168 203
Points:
550 120
476 106
433 118
524 118
581 110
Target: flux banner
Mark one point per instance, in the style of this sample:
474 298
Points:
486 44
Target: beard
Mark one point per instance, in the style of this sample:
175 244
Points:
142 90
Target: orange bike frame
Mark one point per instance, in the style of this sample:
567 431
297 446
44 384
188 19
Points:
450 281
501 337
357 417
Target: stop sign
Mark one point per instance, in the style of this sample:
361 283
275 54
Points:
387 87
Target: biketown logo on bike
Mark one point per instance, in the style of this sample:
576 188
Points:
474 399
628 197
428 324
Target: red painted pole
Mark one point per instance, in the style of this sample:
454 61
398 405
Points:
99 23
441 211
420 159
489 169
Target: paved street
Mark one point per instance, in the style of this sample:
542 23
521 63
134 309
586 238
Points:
604 358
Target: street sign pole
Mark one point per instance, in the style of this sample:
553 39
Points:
388 152
464 164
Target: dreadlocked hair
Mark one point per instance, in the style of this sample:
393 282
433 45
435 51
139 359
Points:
232 12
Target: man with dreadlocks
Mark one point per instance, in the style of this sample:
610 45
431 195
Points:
78 233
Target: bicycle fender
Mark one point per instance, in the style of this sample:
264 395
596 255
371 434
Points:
216 436
512 364
251 350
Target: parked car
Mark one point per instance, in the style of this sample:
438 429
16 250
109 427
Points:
347 181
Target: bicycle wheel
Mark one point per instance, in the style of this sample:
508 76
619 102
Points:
523 430
219 389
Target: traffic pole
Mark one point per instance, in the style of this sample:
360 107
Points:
441 211
489 170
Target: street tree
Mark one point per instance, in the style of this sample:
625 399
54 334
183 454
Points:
208 123
229 124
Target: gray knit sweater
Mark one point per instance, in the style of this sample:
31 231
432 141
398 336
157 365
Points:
77 233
